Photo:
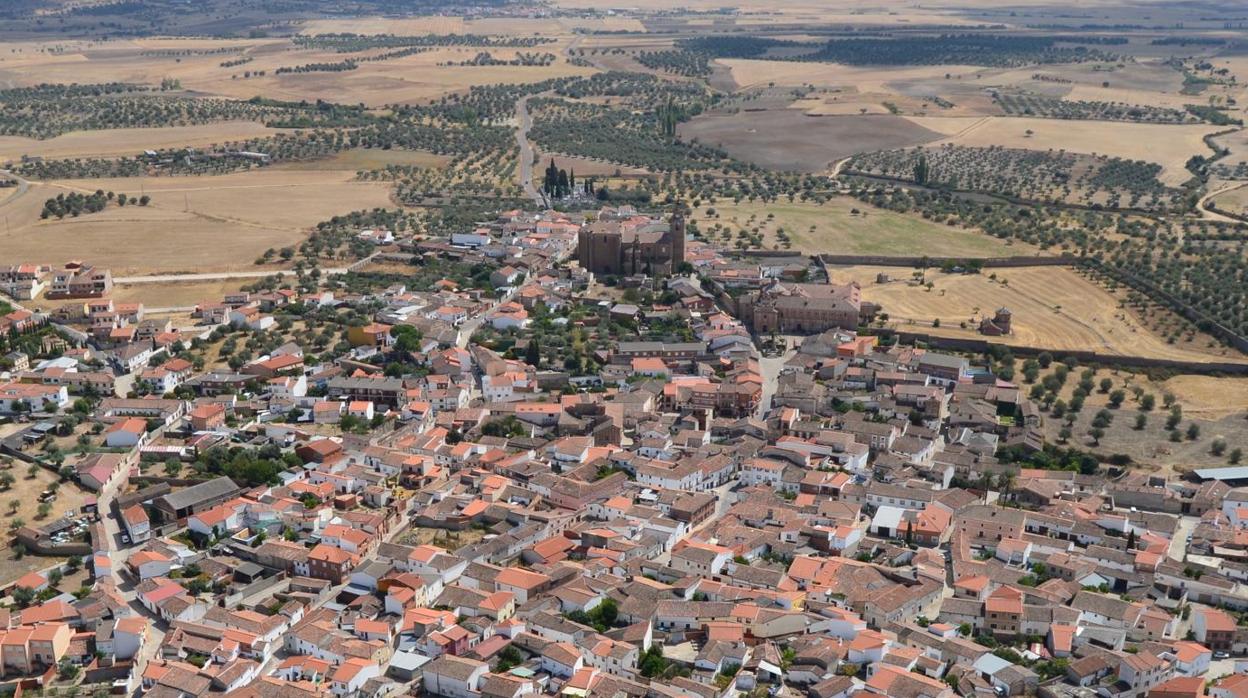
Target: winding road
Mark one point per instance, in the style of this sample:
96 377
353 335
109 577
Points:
23 186
523 123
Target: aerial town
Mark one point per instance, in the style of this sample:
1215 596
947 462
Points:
656 349
642 504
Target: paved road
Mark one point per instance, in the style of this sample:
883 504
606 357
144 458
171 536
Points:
23 186
1178 544
471 325
770 368
523 123
117 554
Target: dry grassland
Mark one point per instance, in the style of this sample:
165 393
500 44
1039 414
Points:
1169 145
1054 307
1235 199
129 141
840 231
194 224
753 73
176 295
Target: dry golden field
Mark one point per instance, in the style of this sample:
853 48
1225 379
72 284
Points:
193 224
1053 307
1234 198
1208 396
1169 145
756 73
175 295
409 79
838 230
129 141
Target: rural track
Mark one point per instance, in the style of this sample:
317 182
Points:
1208 215
227 275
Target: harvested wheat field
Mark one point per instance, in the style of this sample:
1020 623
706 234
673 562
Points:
129 141
133 61
193 224
787 139
1053 307
838 230
748 72
415 78
1169 145
375 83
1234 198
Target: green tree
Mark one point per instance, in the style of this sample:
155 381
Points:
509 657
23 596
921 170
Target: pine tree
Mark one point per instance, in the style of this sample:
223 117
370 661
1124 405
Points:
533 354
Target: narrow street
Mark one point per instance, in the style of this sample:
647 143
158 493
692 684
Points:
117 555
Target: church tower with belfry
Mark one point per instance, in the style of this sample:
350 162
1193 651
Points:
678 237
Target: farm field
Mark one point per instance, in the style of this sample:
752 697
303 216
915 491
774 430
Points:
193 224
1169 145
840 231
787 139
1054 308
129 141
750 72
1234 199
375 83
438 24
405 80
